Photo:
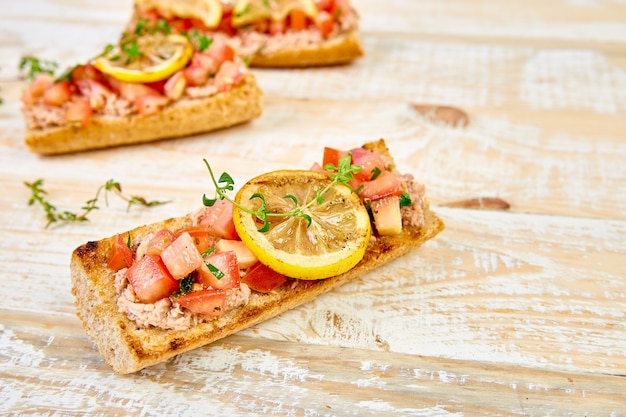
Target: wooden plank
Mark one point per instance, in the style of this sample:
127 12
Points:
239 376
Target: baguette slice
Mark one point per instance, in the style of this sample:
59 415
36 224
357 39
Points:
128 348
338 50
186 117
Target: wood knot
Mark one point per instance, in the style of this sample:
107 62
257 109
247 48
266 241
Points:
447 115
481 203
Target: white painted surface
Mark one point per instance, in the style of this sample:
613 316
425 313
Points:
505 313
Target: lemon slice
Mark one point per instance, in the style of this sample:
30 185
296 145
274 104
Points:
250 11
208 11
331 244
147 58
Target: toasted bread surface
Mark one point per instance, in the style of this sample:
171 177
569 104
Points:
341 49
128 348
185 117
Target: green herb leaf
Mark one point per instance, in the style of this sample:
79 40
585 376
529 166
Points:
215 270
32 66
405 200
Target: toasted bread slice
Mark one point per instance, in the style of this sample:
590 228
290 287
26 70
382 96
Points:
341 49
127 347
186 117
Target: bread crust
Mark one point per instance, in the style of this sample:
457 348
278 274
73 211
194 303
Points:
128 348
341 49
186 117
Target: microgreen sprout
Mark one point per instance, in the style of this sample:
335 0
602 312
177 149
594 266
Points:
341 174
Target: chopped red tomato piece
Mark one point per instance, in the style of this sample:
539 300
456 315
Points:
174 87
219 271
209 302
262 278
130 91
318 168
332 156
387 215
150 279
228 75
277 27
78 111
386 184
325 23
149 104
36 88
121 255
245 257
298 19
181 256
96 91
220 51
86 72
58 94
371 163
200 69
219 218
200 236
159 241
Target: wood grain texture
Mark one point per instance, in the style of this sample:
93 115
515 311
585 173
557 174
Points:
518 312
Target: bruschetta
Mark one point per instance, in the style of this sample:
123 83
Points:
159 290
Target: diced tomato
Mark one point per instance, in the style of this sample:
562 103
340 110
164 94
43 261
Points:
158 86
325 4
332 156
36 88
96 91
78 112
228 76
219 218
262 278
220 51
150 279
149 104
370 163
200 236
318 168
159 241
245 257
209 302
121 255
226 25
175 86
298 19
86 72
200 69
386 184
325 23
387 215
181 256
130 91
58 94
277 27
224 272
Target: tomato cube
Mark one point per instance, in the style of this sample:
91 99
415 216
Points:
151 280
262 278
208 302
245 257
219 270
181 256
386 184
219 219
159 241
58 94
371 163
121 255
387 215
78 112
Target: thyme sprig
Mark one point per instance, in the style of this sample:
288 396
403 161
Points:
31 66
53 215
342 174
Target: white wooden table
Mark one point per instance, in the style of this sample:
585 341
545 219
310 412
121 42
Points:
507 312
